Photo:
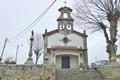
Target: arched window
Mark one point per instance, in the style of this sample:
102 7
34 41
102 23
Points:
61 26
69 27
65 15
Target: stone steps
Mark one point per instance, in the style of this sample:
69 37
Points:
77 75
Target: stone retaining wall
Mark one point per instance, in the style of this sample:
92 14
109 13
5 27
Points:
42 72
26 72
110 72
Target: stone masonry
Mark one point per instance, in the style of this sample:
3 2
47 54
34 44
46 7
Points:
42 72
110 71
26 72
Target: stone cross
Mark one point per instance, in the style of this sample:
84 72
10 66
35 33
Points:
30 60
65 2
31 44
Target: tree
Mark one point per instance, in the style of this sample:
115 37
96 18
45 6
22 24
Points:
38 46
101 15
9 60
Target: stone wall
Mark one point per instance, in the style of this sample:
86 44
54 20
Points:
111 72
26 72
42 72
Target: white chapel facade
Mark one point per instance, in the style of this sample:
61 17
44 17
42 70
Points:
64 47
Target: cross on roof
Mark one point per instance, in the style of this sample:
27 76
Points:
65 2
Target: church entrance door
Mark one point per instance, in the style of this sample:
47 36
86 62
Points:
65 62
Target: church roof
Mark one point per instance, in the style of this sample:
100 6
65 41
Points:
65 9
56 31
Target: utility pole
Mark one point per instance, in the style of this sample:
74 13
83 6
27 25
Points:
16 54
3 49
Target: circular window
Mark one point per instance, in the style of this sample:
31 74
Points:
65 40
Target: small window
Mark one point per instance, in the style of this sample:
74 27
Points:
65 15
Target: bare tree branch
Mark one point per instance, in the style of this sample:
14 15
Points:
100 15
38 46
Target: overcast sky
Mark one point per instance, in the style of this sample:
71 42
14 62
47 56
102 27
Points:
16 15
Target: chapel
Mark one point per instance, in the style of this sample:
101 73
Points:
65 47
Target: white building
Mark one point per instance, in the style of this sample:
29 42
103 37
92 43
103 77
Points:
64 47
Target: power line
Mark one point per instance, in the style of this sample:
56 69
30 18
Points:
22 33
71 3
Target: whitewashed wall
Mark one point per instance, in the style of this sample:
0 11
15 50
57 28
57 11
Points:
76 40
56 40
74 62
58 62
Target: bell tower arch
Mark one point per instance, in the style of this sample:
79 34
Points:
65 21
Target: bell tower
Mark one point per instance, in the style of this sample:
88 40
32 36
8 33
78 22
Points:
65 21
